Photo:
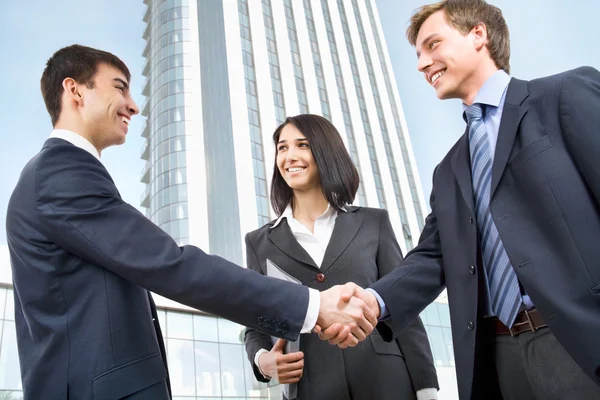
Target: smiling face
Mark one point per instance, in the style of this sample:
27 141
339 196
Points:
456 65
107 107
295 160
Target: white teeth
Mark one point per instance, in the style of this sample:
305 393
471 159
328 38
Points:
295 169
437 76
126 120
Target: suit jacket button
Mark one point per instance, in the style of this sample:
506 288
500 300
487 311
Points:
472 270
320 278
471 220
470 326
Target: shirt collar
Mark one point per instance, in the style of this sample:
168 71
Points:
287 213
493 89
76 140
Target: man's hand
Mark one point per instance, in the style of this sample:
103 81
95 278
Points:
337 334
286 368
347 318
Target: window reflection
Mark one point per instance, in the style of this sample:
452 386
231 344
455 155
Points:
181 366
205 328
229 332
232 370
3 301
10 376
208 369
179 326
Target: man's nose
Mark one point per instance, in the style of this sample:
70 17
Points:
423 62
132 107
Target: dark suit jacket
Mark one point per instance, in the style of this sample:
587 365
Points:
362 249
83 262
545 202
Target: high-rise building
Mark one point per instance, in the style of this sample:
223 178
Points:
221 76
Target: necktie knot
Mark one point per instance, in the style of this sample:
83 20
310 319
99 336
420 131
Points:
474 112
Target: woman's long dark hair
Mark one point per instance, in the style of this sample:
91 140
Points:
338 175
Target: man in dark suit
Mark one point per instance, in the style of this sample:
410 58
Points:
84 261
515 216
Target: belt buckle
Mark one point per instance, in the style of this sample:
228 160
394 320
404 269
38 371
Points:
528 322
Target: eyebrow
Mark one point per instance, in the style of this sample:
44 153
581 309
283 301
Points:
426 40
297 140
122 82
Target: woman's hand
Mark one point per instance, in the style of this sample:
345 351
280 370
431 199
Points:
286 368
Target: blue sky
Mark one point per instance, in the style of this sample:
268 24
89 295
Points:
547 37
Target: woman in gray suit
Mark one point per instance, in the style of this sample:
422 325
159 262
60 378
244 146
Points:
320 240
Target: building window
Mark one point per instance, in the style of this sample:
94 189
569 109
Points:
384 130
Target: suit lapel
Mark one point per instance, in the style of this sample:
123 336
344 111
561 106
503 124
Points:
282 237
461 166
512 114
347 225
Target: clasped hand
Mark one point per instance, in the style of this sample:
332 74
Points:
348 314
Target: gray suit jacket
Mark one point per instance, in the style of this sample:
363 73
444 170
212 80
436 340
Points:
545 201
83 262
362 249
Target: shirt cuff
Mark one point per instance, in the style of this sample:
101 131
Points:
427 394
258 353
312 313
383 312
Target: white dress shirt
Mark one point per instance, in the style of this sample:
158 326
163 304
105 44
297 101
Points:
76 140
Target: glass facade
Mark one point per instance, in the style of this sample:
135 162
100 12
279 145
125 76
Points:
363 107
207 359
400 133
10 373
258 164
436 318
296 60
384 130
278 100
222 196
165 108
337 69
314 46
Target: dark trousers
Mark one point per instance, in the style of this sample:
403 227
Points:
534 365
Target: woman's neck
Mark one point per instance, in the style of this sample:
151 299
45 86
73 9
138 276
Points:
307 206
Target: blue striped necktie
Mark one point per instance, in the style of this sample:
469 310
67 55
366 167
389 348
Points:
503 286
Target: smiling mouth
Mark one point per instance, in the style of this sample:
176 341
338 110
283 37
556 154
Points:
125 120
437 76
295 169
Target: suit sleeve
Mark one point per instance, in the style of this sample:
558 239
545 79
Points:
79 210
416 282
580 119
413 341
253 339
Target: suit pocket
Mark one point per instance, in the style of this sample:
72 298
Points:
129 378
531 150
385 348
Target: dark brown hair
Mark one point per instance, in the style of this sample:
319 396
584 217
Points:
338 175
79 63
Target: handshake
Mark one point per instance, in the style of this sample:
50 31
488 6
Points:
348 314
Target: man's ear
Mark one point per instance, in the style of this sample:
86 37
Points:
73 91
479 34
